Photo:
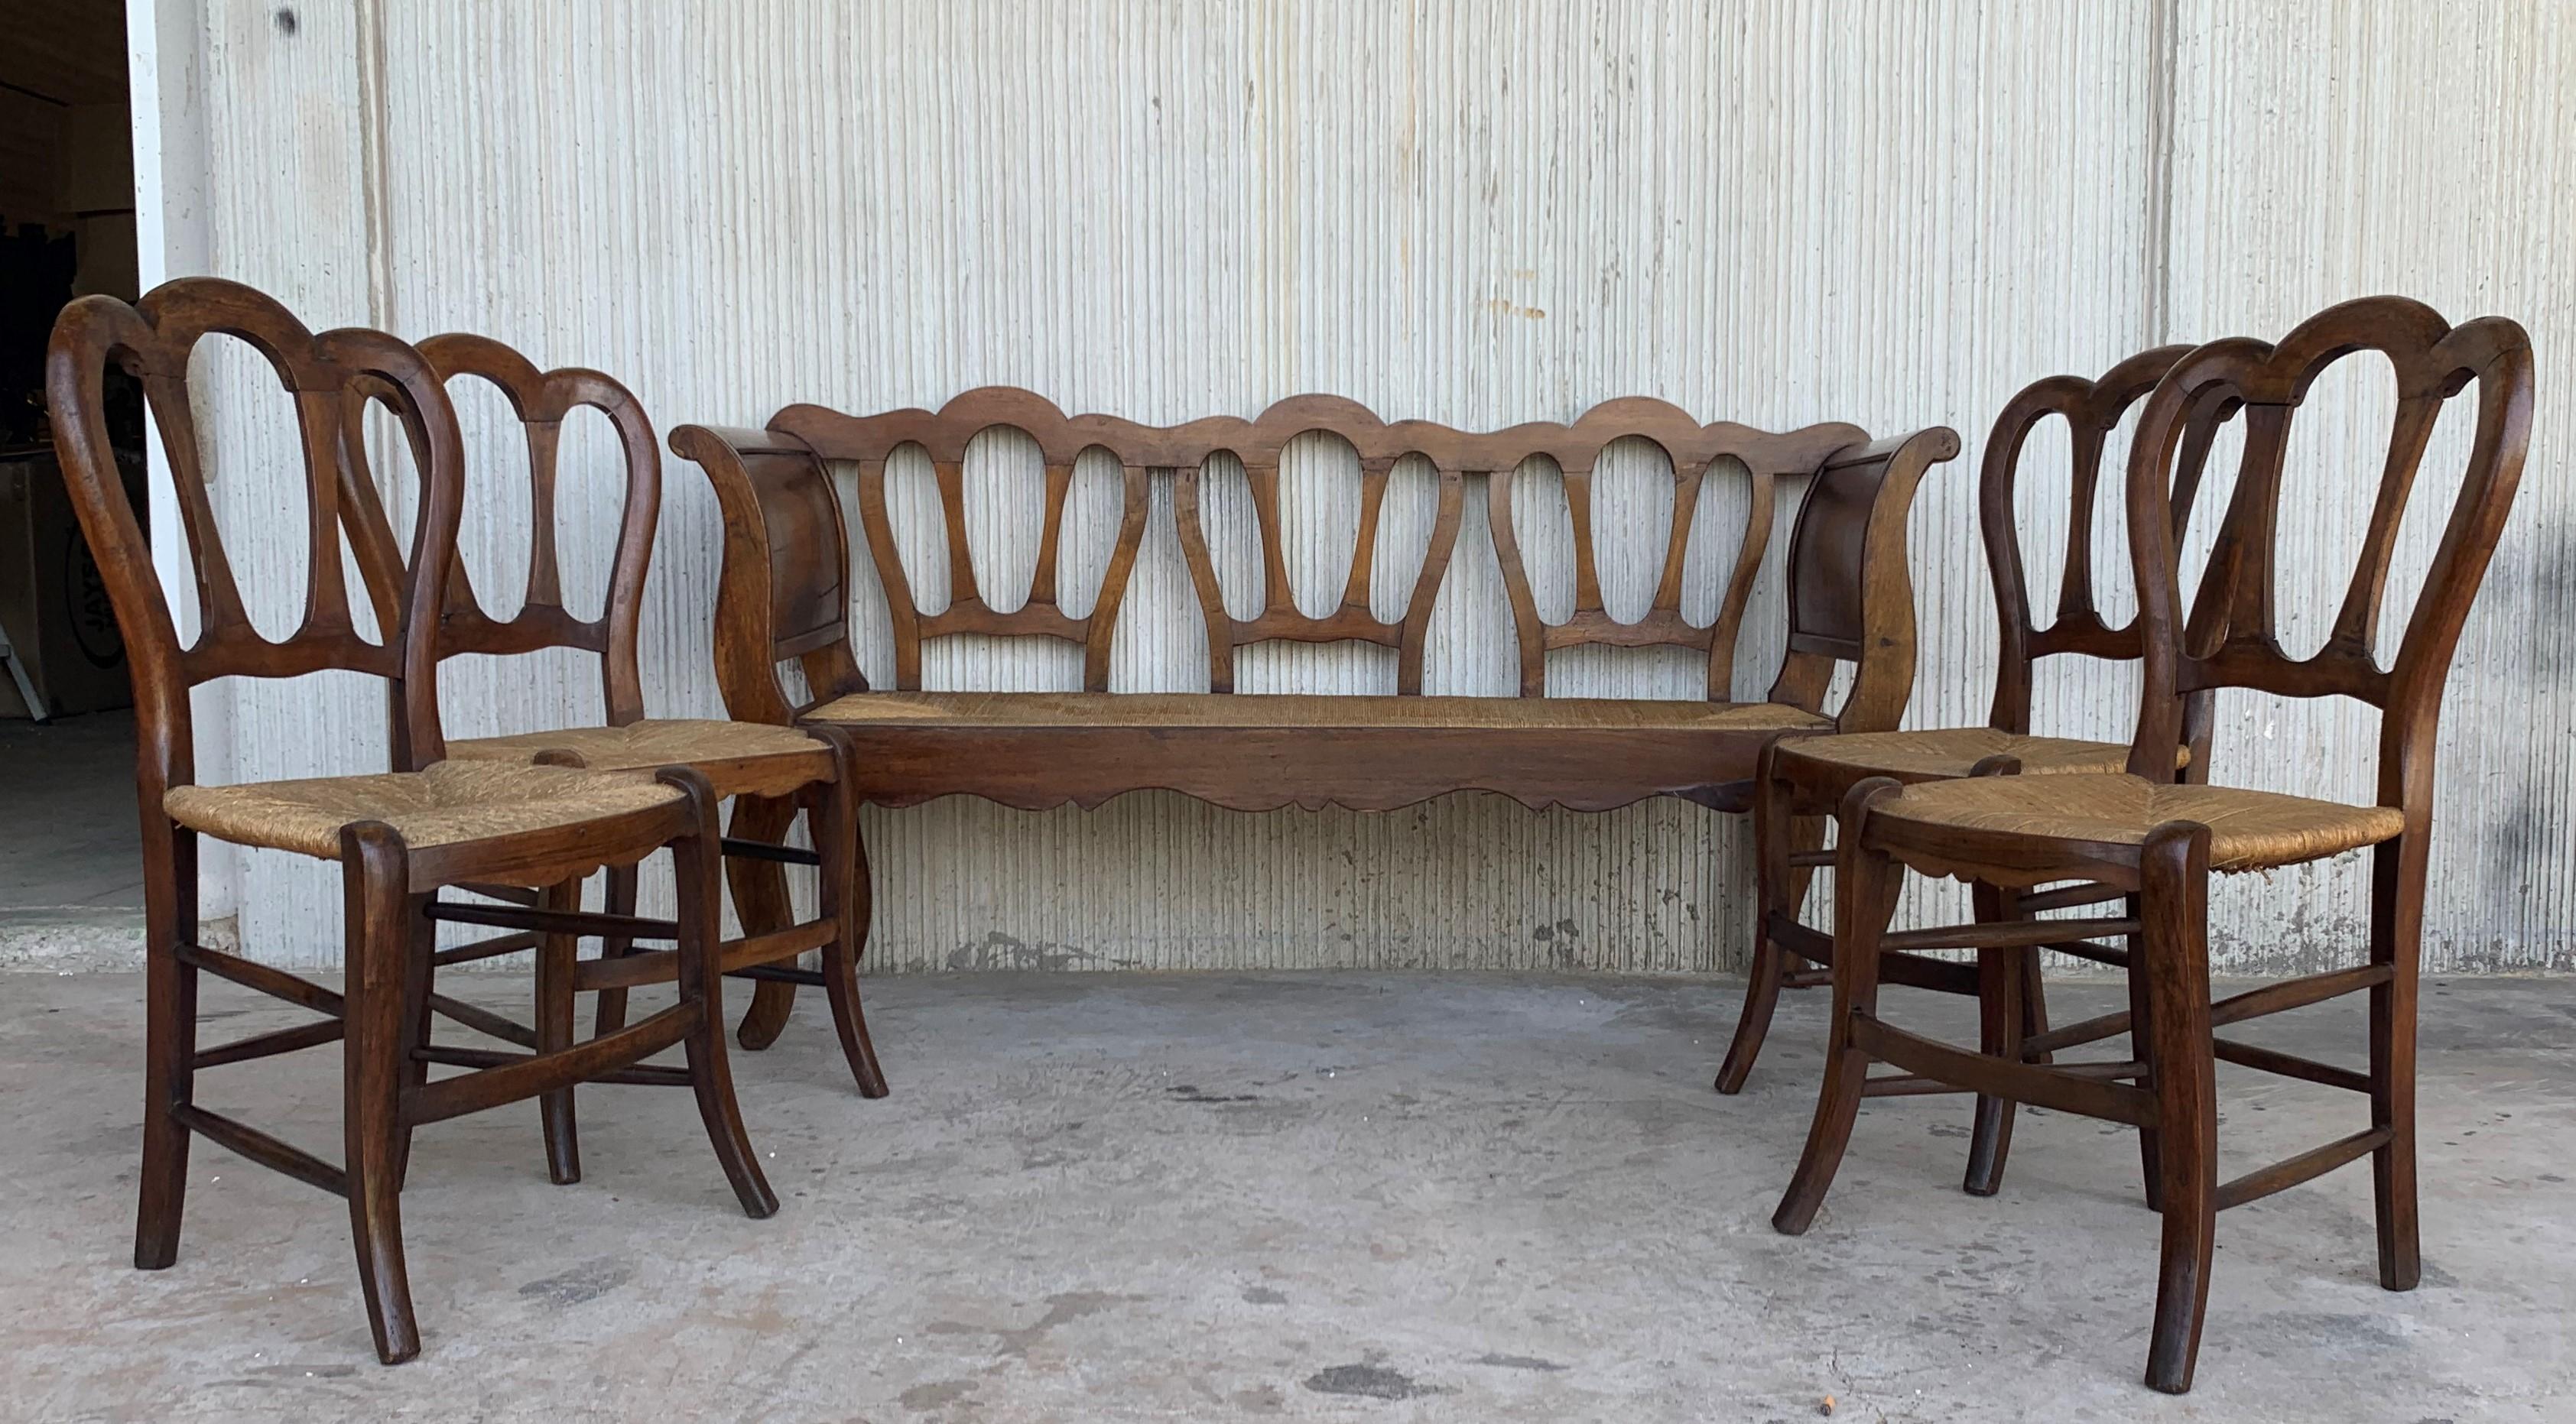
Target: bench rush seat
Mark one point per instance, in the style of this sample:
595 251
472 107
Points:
1258 752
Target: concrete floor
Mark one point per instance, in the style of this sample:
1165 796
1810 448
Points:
1347 1197
71 862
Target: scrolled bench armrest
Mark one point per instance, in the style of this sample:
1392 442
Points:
1851 592
738 441
784 588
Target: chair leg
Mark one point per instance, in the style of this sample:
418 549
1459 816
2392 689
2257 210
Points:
2002 978
170 1038
846 898
2174 884
1865 886
2142 1041
761 902
2034 1001
611 1013
420 975
376 872
1778 886
698 859
558 956
2396 925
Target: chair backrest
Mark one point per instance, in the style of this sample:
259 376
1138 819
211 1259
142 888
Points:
944 435
153 340
1853 521
541 400
2092 410
2231 638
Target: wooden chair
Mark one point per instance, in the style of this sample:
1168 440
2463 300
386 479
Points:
1802 778
399 837
771 772
2138 836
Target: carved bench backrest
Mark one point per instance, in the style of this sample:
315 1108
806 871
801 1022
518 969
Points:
1850 531
1692 450
944 435
1261 445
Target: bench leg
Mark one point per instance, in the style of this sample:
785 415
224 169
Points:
846 898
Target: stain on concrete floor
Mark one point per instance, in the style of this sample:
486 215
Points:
1368 1381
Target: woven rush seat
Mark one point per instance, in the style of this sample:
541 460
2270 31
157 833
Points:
1945 753
1259 752
1288 712
450 803
732 755
2249 830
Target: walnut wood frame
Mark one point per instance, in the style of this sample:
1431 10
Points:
2167 1086
382 1016
768 790
785 597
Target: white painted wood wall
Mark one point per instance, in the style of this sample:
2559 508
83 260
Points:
1894 214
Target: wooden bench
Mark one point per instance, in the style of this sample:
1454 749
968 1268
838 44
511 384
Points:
785 595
